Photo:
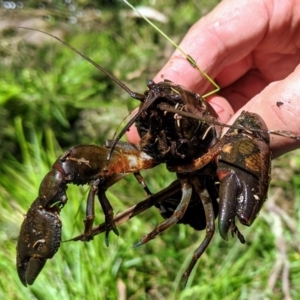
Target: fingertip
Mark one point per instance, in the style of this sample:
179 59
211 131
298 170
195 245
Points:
222 107
132 135
179 71
278 106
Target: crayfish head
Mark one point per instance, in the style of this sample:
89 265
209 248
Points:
39 240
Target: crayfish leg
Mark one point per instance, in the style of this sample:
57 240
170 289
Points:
108 213
186 188
90 211
142 182
129 213
210 229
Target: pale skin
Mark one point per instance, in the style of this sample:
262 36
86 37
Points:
252 50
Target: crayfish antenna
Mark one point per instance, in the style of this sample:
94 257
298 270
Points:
151 97
132 94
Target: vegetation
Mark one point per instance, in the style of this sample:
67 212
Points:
51 99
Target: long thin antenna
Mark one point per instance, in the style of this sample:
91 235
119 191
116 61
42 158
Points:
134 95
169 108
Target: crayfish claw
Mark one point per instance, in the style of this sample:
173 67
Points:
39 240
223 230
29 269
226 226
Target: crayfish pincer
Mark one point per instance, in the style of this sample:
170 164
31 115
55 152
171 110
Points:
40 234
39 240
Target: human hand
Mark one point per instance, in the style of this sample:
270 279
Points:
252 50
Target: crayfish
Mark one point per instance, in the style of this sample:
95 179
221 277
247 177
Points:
218 176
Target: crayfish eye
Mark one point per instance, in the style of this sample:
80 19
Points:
150 83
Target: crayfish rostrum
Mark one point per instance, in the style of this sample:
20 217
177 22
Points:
217 175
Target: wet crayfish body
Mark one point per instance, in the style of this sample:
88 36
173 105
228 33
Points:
217 175
188 146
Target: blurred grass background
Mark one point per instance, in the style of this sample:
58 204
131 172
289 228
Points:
51 99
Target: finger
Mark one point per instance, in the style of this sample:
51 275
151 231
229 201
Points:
224 37
222 107
278 105
132 135
249 85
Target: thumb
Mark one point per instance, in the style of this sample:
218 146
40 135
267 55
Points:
279 106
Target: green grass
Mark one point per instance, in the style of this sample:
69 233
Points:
51 99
